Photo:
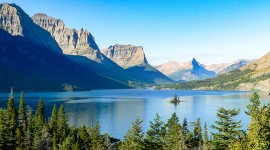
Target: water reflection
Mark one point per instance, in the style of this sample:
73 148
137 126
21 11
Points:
117 109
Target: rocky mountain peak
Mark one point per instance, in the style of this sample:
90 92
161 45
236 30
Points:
71 41
16 22
126 56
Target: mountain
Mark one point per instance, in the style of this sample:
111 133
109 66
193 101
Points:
187 71
227 67
16 22
133 60
80 47
253 76
31 59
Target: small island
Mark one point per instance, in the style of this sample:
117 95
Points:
175 99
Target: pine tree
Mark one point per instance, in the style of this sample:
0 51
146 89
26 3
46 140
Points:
107 143
155 135
205 137
22 115
95 138
227 128
197 135
173 136
134 139
53 121
67 144
39 117
259 126
62 126
83 138
11 121
30 129
3 130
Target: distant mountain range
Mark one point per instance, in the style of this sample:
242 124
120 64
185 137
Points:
253 76
193 70
41 54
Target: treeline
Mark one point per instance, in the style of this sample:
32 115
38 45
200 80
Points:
21 129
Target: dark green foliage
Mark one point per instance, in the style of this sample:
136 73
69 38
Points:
227 129
22 115
173 135
259 126
11 122
155 135
134 139
62 126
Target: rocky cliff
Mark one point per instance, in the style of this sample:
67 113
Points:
16 22
72 41
126 56
133 60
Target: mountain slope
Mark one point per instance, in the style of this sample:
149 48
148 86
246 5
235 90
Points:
227 67
133 60
80 47
187 71
28 66
254 76
31 59
16 22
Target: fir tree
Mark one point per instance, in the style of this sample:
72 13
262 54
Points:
22 115
62 126
53 120
227 128
107 143
259 126
95 138
155 135
205 137
3 130
173 136
11 121
29 135
134 139
197 134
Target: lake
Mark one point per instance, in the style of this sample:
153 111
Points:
117 109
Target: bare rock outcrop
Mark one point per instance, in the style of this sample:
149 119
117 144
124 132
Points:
126 56
72 41
16 22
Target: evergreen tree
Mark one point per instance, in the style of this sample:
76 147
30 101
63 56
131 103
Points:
22 115
134 139
205 137
259 126
173 136
95 138
62 126
53 120
197 135
67 144
155 135
39 117
107 143
227 128
11 121
30 129
3 130
83 138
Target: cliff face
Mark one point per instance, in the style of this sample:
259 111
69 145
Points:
16 22
133 60
72 41
126 56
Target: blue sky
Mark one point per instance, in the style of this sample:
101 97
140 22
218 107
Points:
212 31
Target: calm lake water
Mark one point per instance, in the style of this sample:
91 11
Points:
117 109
